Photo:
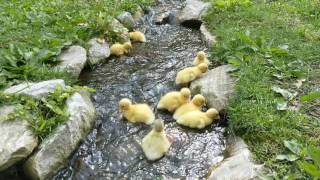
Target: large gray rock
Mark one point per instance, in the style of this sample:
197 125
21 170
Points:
36 90
17 140
216 86
193 11
127 20
98 51
73 60
206 36
119 29
239 166
55 150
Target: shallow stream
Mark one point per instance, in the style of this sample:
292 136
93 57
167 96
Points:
112 150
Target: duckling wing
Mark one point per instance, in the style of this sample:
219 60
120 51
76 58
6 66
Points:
185 108
154 146
192 75
143 113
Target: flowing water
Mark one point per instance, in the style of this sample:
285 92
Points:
112 150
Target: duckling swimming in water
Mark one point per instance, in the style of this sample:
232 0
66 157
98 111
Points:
201 58
120 49
172 100
198 119
137 36
136 113
189 74
155 144
195 105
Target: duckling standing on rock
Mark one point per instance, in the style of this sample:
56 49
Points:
195 105
201 58
137 36
198 119
136 113
155 144
120 49
173 100
189 74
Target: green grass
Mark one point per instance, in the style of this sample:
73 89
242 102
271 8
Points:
33 33
274 43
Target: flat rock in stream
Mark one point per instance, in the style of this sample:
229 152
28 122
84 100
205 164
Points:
216 86
55 150
239 165
191 14
17 140
36 90
73 60
98 51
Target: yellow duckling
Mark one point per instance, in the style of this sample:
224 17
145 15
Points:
155 144
137 36
189 74
120 49
172 100
201 58
136 113
198 119
195 105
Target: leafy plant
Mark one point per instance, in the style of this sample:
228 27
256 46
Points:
224 4
311 96
308 158
312 167
259 39
43 115
34 32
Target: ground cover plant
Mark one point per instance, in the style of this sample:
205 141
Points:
275 46
33 33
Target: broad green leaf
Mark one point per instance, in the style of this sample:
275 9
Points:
314 153
310 169
265 177
288 157
282 106
292 177
293 146
234 62
311 96
285 93
279 52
